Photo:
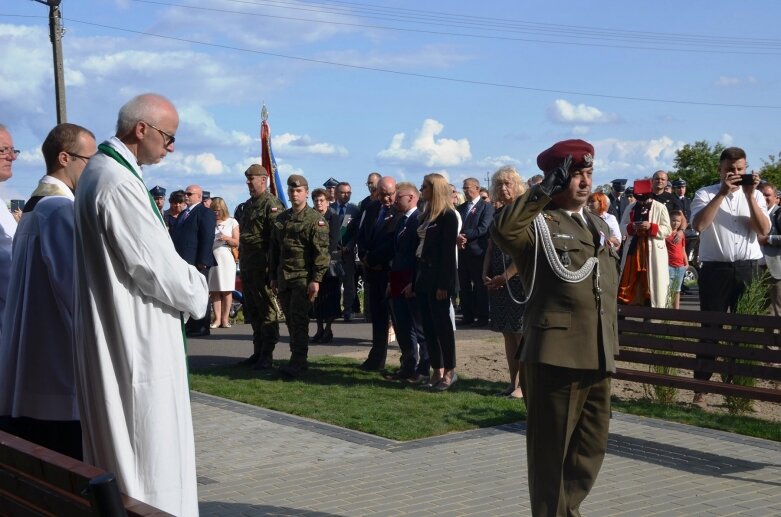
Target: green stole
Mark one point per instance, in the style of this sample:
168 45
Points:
112 153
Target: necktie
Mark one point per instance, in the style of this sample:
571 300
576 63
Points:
341 210
579 219
185 214
402 226
380 218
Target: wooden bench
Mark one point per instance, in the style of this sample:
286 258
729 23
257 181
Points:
743 345
37 481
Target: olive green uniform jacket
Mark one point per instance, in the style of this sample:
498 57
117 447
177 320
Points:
299 248
564 324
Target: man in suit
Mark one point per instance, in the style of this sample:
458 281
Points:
375 250
193 237
352 233
771 246
570 331
415 362
476 218
679 188
618 199
346 212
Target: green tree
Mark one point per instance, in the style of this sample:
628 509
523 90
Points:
698 164
771 170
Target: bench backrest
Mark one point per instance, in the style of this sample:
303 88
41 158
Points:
741 345
37 481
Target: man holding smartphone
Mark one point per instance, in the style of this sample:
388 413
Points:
730 215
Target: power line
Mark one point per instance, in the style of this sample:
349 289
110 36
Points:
458 34
426 76
506 25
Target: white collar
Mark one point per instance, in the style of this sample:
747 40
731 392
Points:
123 151
411 211
63 189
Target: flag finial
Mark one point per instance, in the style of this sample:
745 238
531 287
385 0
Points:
264 113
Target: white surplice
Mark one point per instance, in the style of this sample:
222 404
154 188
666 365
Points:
36 347
131 370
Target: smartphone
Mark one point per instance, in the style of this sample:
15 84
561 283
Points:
746 179
17 204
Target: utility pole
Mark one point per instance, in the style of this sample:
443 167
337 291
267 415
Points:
55 35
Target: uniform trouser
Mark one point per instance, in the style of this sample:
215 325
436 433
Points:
437 325
471 290
378 303
409 335
296 306
348 283
566 435
260 309
721 284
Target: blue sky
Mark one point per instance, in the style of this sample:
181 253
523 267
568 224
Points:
467 87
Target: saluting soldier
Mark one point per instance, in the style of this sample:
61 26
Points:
299 260
569 326
260 307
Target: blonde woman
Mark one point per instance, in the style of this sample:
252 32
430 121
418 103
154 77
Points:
222 278
501 278
436 278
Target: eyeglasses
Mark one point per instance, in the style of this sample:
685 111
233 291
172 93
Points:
189 193
6 151
405 195
170 138
85 158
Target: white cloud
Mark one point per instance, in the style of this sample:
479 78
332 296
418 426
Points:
495 162
727 81
726 139
205 164
634 158
563 112
580 130
426 149
288 143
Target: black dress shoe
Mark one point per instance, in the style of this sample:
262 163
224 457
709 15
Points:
293 370
198 333
317 337
327 337
249 361
264 363
369 367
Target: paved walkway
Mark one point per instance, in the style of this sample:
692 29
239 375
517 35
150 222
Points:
253 461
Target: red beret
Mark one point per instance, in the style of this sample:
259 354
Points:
582 155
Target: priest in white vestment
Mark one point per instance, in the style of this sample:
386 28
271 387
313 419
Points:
133 291
37 382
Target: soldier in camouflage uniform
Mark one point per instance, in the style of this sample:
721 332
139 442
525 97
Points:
260 307
299 260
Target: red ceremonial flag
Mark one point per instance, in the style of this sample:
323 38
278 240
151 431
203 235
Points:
267 160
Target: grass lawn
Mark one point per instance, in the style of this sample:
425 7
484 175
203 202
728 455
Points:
335 391
740 424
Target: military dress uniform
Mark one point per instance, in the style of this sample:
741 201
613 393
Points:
299 255
260 307
570 340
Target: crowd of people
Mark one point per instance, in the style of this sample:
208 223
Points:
121 281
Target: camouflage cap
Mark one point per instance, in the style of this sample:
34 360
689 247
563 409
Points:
255 170
296 180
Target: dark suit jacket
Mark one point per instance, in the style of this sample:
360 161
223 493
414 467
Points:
475 226
439 254
617 206
194 237
375 241
352 211
406 243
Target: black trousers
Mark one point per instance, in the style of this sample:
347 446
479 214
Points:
380 316
721 285
471 290
435 317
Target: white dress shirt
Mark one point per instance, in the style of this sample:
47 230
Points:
729 237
